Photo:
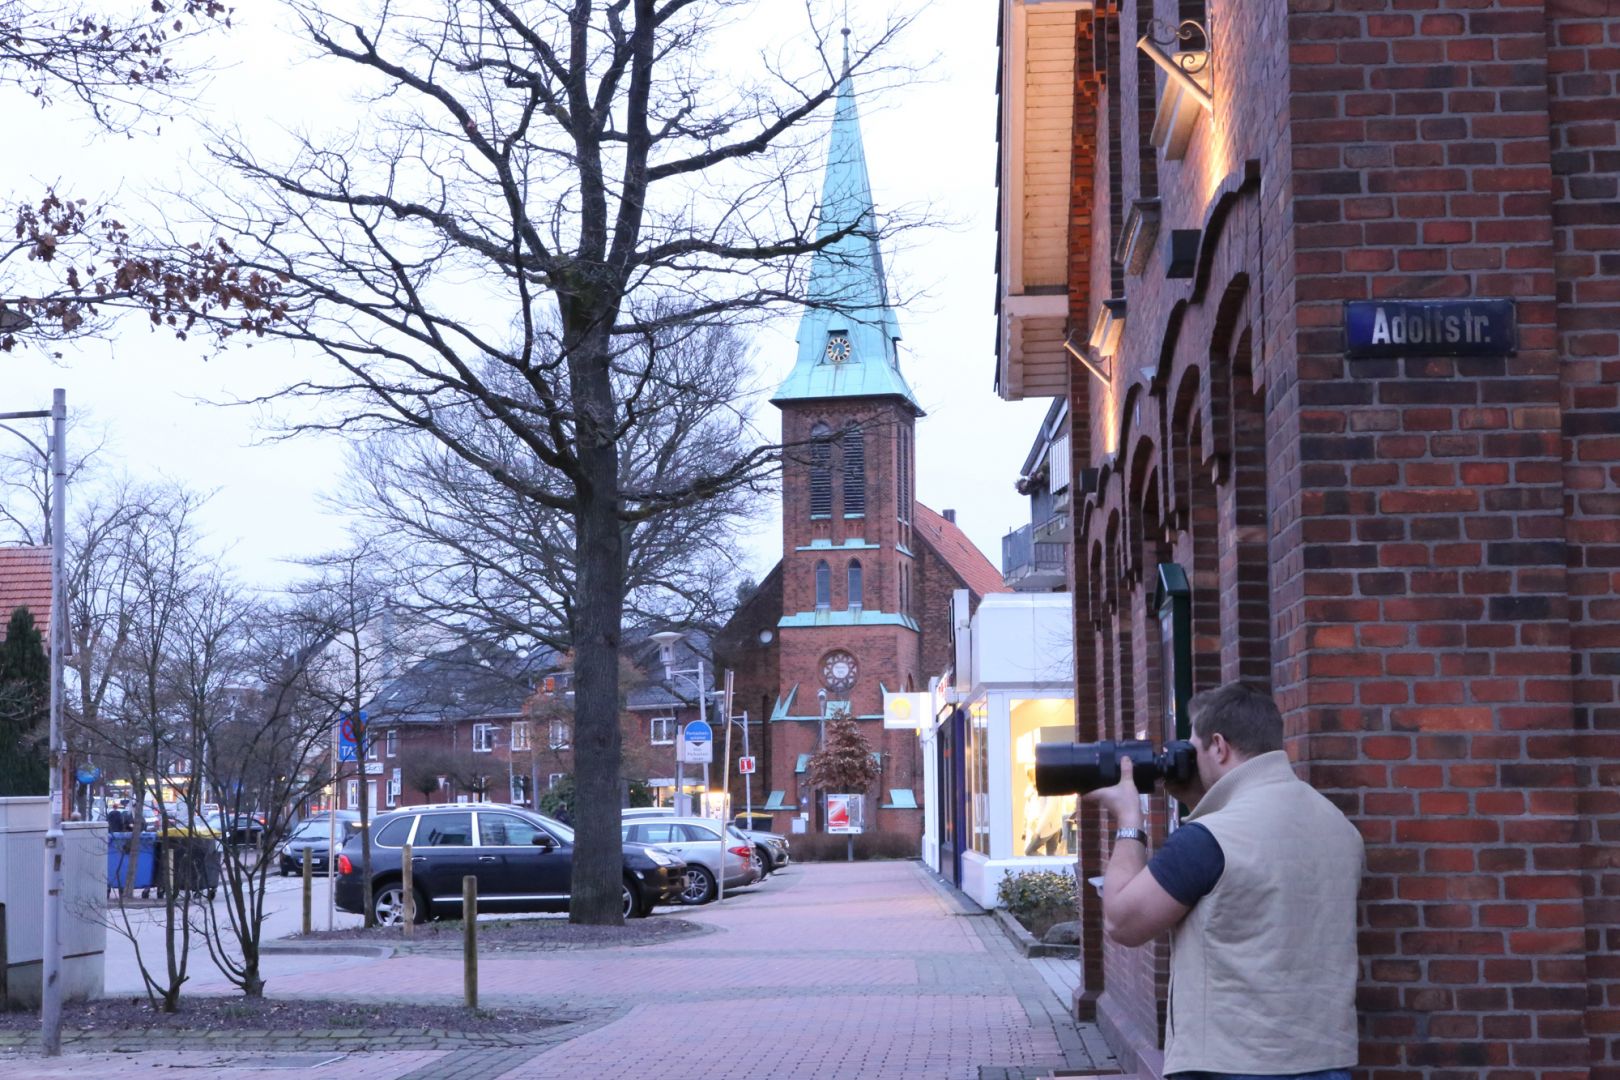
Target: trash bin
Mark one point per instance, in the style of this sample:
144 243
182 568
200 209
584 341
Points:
195 866
118 857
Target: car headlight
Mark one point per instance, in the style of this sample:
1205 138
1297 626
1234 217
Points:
659 858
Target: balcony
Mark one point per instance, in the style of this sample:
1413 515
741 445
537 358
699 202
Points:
1029 564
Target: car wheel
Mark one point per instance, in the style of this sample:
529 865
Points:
699 886
633 907
762 860
389 905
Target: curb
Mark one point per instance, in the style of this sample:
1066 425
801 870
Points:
1026 943
318 948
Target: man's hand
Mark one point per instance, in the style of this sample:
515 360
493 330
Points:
1187 793
1122 801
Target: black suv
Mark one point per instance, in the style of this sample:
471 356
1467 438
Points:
523 861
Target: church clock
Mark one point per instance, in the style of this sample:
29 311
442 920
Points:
838 671
838 348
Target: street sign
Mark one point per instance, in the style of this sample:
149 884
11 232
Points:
697 743
347 732
745 765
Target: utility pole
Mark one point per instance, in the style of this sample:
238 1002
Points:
50 1003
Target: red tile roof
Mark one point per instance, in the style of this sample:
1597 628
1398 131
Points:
25 581
951 544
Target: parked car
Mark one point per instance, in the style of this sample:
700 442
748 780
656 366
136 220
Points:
315 835
697 841
770 849
523 862
244 830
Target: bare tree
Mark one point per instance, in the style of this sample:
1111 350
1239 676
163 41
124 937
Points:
266 752
350 605
555 191
488 561
67 260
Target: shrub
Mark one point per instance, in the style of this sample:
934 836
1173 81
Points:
823 847
1039 899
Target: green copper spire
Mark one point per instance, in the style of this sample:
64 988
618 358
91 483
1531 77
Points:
848 333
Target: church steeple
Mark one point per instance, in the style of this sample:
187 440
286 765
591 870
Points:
848 333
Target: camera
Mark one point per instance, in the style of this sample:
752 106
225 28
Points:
1078 768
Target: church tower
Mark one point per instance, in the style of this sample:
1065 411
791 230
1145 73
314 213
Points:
849 627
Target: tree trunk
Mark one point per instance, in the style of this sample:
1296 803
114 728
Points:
599 850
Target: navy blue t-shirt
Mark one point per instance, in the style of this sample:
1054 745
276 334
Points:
1189 864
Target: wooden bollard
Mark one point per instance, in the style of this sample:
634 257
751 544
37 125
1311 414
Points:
469 939
309 892
410 894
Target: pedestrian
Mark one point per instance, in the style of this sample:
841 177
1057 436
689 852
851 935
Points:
118 820
1257 888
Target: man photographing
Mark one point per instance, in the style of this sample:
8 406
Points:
1258 889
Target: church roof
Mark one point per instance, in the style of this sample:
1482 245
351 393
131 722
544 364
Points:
25 581
964 558
848 289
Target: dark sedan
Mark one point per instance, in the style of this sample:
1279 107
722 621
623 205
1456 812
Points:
314 834
523 862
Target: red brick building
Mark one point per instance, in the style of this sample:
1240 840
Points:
478 723
860 602
1415 543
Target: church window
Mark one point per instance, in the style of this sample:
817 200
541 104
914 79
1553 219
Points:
854 473
821 471
855 592
823 585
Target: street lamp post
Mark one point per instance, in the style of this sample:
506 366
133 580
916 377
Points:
666 640
50 983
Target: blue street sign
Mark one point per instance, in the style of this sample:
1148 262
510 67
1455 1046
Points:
699 731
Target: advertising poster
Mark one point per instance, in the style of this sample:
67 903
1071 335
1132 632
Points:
846 813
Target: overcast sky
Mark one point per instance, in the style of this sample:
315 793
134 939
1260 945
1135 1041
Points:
932 142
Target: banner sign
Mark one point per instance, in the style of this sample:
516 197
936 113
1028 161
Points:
908 711
1395 328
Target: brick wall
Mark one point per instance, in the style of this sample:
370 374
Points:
1421 555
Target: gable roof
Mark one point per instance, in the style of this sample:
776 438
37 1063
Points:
470 681
951 544
25 581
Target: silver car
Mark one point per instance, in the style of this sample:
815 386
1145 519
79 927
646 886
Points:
697 841
770 849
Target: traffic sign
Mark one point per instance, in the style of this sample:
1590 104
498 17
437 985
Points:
745 765
348 731
696 744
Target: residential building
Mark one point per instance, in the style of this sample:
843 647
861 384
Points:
1326 291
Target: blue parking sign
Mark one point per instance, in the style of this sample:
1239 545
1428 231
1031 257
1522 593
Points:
349 736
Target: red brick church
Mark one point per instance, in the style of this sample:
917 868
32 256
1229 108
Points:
860 601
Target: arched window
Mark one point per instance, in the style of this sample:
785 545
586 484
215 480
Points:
821 471
855 584
854 473
823 584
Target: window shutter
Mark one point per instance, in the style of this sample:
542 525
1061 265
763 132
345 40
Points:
854 472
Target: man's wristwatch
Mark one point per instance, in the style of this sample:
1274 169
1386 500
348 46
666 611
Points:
1131 834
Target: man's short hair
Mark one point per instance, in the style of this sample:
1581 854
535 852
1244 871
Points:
1248 719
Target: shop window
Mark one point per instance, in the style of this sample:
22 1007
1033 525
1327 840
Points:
855 591
854 473
823 585
1040 826
977 761
821 471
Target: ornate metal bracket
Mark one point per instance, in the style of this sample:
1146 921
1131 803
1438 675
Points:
1190 68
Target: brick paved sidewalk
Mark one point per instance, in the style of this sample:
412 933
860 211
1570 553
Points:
867 970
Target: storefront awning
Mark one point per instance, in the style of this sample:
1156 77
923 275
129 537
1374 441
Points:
775 802
901 798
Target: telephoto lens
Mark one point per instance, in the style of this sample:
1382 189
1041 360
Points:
1079 768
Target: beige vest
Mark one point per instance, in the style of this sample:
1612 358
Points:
1263 969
